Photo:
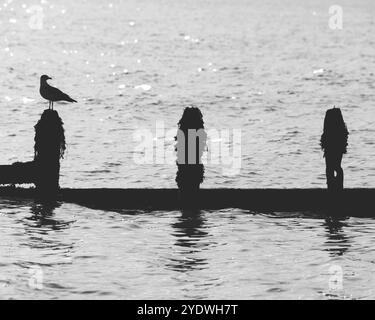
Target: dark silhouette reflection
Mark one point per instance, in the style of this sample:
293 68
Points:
43 213
337 241
190 232
334 142
41 225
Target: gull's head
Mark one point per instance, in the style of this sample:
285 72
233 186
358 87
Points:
44 78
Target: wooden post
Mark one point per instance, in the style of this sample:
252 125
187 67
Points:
49 149
334 142
191 142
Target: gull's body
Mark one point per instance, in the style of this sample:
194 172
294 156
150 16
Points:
52 94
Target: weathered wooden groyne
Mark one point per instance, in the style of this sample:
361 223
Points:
44 172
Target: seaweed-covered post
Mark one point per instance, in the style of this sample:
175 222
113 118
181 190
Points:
191 142
49 149
334 142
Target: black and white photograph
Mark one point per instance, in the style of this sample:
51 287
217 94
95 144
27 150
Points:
210 151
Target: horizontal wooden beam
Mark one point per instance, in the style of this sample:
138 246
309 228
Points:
353 202
17 173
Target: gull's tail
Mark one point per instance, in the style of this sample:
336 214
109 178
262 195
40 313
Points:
69 99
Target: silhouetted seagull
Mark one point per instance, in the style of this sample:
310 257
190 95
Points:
52 94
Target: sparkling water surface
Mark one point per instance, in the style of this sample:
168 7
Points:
67 251
268 68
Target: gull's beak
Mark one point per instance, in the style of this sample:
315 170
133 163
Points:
49 78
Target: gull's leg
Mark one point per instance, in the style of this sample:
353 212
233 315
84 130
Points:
52 105
49 104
